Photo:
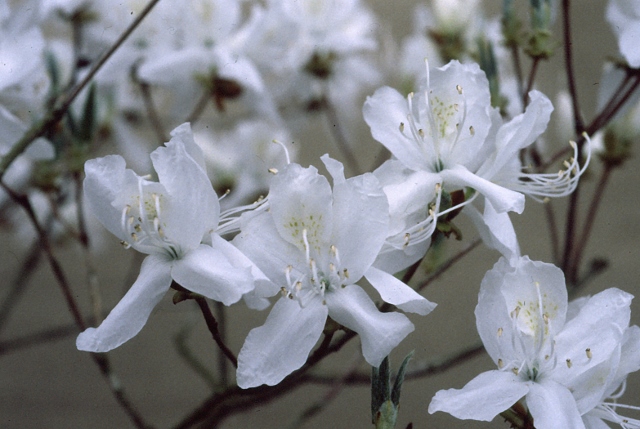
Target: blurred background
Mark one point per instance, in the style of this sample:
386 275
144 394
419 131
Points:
48 383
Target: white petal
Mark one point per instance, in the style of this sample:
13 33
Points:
360 222
129 316
384 112
104 182
501 198
495 229
334 167
280 346
379 332
518 133
397 293
553 407
193 207
263 245
301 199
207 271
483 398
599 326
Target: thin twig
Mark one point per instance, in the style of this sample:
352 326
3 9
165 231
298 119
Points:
530 81
553 232
198 109
99 358
19 285
517 66
448 264
222 361
436 366
333 121
583 238
54 115
150 107
578 124
92 276
212 324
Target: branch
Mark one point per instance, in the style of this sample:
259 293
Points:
55 115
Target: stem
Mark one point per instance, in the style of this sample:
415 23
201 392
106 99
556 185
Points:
152 112
517 67
553 232
92 276
339 137
18 287
212 324
591 215
53 117
99 358
222 361
449 263
198 109
235 400
578 123
530 80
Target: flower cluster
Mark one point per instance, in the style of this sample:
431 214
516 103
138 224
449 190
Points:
215 99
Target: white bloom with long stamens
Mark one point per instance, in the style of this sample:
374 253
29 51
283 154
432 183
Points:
540 353
168 220
316 244
450 131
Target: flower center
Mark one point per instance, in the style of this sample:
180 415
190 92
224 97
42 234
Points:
142 222
313 281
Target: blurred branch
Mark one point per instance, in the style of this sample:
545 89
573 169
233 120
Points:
52 117
99 358
449 263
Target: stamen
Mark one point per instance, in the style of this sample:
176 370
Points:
286 151
273 170
589 354
402 127
569 364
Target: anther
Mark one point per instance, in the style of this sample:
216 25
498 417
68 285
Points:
402 127
569 363
273 170
500 332
472 131
421 132
589 354
346 273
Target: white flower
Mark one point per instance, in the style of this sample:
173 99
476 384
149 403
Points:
624 17
450 131
542 355
317 244
167 220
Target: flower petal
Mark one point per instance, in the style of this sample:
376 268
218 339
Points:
501 198
552 406
397 293
280 346
360 222
207 271
379 332
301 199
483 398
384 112
193 208
129 316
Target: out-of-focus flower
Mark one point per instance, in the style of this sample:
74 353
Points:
168 220
318 244
624 17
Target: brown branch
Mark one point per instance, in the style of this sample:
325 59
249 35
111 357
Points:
55 115
212 324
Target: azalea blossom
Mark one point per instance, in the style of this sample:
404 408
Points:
316 244
550 359
450 131
168 220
